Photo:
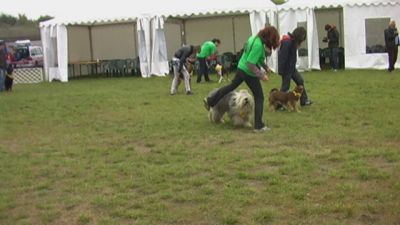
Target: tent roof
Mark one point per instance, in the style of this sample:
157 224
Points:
91 13
301 4
127 11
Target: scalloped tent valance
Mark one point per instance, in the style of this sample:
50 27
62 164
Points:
123 11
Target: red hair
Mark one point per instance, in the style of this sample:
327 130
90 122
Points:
270 37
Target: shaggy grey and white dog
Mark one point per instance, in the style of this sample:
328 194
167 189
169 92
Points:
239 105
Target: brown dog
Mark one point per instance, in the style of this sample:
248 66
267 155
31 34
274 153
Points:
288 99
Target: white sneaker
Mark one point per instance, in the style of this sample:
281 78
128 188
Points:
263 129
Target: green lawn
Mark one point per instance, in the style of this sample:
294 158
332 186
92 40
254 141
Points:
123 151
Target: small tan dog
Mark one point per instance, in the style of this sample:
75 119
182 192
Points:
288 99
222 73
189 66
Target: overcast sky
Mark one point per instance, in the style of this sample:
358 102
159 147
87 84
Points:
64 8
70 9
34 8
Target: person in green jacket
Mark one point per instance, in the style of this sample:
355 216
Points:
207 49
251 69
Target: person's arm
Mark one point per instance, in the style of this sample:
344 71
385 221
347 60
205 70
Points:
391 34
182 61
212 52
255 54
265 67
257 72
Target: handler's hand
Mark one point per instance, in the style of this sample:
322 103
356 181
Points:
265 78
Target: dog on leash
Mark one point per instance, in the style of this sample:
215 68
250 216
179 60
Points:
290 100
239 105
222 74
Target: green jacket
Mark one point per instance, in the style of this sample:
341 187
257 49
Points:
254 53
207 49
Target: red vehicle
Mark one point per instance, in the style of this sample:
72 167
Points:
25 55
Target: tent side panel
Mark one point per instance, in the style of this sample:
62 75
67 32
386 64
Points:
78 48
116 41
242 31
199 30
355 35
78 43
173 37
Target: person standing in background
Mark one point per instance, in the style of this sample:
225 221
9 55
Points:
207 49
333 44
391 34
3 64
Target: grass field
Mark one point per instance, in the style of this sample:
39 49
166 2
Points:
123 151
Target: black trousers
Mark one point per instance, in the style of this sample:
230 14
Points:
392 54
298 79
203 70
255 86
334 58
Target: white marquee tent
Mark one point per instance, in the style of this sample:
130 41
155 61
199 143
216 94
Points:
149 30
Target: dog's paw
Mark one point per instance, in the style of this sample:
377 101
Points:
248 125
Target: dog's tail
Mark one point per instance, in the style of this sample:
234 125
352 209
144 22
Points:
273 90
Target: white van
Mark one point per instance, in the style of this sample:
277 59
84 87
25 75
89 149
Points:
26 55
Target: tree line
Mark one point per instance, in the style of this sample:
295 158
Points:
21 20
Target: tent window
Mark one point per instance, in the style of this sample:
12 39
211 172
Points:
303 50
374 37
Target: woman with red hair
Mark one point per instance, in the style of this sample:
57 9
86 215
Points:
251 69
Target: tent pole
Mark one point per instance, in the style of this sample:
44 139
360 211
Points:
135 33
90 42
183 32
234 34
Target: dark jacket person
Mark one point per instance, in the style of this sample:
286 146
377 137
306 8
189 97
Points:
287 58
333 45
392 50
